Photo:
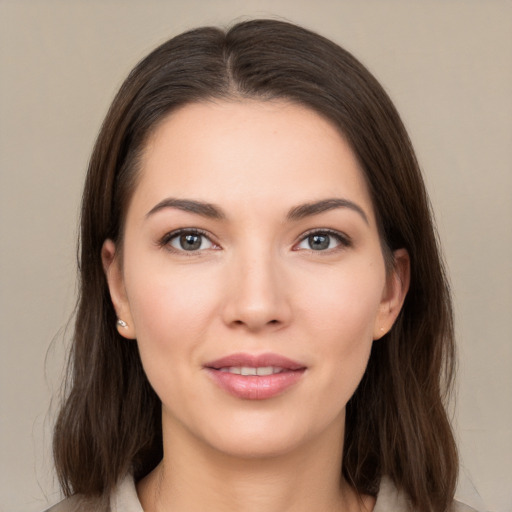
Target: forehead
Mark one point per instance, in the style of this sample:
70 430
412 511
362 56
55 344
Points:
272 151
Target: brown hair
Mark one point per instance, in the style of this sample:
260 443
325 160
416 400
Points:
396 422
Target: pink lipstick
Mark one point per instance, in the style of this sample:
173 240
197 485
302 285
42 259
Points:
255 377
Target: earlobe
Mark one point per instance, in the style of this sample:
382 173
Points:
397 286
115 281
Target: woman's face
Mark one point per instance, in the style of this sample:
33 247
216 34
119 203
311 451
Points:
252 276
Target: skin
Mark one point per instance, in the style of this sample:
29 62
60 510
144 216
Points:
255 286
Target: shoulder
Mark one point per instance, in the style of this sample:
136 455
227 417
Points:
461 507
389 499
66 505
124 497
78 503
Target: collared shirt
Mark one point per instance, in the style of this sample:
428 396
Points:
124 499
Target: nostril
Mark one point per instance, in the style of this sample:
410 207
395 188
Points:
241 322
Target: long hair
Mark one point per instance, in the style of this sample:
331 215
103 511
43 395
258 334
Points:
396 422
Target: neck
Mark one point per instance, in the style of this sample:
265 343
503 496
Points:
196 477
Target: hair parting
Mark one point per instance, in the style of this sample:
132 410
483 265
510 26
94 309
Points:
396 422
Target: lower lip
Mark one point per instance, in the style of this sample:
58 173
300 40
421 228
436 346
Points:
254 387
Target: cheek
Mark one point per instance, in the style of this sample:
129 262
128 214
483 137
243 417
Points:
346 303
341 316
170 311
165 295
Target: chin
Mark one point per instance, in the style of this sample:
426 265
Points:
262 435
255 445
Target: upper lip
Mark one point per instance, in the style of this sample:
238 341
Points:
255 361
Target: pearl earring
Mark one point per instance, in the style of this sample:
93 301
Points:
122 323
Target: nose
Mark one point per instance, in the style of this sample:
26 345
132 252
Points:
257 294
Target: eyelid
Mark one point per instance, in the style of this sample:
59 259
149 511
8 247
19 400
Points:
164 241
344 240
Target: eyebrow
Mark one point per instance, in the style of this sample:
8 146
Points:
308 209
296 213
187 205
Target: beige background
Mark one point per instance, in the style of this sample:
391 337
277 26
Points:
446 64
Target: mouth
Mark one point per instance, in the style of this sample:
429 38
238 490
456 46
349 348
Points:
248 370
252 377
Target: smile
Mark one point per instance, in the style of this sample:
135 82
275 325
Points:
251 377
248 370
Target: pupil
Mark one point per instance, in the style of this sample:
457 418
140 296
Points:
190 242
319 242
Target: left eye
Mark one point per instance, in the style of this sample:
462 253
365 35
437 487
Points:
189 241
321 241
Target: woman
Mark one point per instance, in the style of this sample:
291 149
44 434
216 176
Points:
264 322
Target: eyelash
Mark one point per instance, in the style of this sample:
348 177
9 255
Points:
166 239
343 240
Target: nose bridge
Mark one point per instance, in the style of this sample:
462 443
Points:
257 294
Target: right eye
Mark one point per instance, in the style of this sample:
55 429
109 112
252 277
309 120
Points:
188 241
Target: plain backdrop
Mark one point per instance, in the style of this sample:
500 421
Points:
446 64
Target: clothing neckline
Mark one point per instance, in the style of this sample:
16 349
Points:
125 498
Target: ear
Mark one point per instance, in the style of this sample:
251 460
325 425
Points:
397 285
115 280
